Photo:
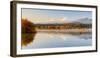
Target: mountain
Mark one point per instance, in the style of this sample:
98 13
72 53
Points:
56 21
67 21
84 21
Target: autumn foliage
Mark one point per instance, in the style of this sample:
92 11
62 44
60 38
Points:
28 32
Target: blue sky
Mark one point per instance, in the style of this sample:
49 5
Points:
45 15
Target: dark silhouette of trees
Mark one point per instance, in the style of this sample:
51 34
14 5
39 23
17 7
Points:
28 32
63 26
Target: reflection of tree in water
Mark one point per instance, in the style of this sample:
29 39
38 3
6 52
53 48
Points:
28 32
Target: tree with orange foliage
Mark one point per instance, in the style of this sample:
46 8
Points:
28 32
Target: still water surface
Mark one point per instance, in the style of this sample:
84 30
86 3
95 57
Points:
54 40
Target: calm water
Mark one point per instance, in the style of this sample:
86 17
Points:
53 40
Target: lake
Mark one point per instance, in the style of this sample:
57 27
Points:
55 40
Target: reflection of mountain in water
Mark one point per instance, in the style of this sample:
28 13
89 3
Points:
74 31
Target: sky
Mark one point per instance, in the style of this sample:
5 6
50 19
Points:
51 15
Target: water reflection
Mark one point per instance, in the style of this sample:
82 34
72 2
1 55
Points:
53 40
27 38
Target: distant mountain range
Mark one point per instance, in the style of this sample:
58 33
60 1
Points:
77 21
84 21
